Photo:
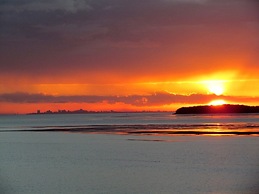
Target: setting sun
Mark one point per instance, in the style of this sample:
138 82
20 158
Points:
215 87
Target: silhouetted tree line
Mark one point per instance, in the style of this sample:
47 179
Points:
210 109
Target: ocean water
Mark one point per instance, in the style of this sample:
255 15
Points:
162 122
129 153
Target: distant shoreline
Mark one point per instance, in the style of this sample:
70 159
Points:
218 109
81 111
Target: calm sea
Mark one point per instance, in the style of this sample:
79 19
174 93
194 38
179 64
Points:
124 153
129 123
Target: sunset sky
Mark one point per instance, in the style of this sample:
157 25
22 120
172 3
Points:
127 55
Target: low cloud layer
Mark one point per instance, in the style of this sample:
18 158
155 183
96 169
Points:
157 99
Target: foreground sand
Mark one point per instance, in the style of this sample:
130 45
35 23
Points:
59 162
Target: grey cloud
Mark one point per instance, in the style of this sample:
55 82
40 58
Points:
122 20
44 5
58 33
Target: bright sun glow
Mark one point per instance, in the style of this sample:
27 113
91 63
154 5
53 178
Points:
215 87
217 102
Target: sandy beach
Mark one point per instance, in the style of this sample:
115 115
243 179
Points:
60 162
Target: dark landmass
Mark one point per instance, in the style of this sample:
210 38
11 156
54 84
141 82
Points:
212 109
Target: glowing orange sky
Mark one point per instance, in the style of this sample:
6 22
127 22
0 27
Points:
119 55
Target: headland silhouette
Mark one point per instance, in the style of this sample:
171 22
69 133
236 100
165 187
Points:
216 109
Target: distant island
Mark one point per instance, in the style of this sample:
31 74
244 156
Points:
212 109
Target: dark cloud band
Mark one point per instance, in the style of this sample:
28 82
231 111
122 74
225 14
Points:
156 99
